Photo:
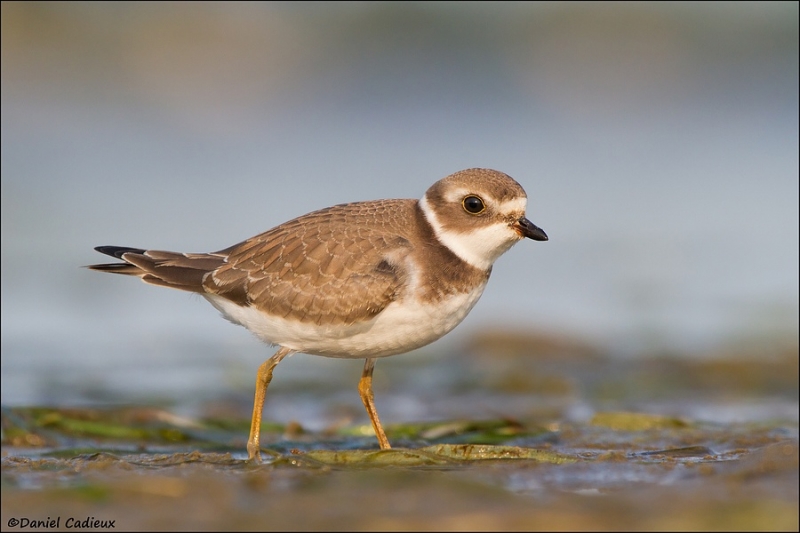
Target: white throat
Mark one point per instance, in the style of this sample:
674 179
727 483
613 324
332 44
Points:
480 247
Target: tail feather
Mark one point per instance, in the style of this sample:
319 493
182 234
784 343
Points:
117 268
167 269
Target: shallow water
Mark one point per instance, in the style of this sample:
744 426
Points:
575 477
590 443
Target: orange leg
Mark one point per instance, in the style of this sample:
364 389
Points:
262 382
365 390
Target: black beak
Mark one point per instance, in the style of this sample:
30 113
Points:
528 229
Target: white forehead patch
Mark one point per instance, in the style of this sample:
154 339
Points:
516 205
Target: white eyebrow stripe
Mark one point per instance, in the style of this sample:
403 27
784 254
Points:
514 205
455 195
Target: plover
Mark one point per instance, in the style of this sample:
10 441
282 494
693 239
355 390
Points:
358 280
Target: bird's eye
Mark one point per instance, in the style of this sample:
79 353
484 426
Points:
473 205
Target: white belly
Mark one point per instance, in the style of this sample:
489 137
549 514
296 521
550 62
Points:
401 327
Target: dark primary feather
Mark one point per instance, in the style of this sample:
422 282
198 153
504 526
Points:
117 251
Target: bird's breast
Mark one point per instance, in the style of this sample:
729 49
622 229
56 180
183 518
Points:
404 325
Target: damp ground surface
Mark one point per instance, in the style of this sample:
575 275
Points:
582 442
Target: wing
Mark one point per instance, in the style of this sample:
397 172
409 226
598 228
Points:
335 266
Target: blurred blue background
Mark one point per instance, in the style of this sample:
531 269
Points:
658 144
